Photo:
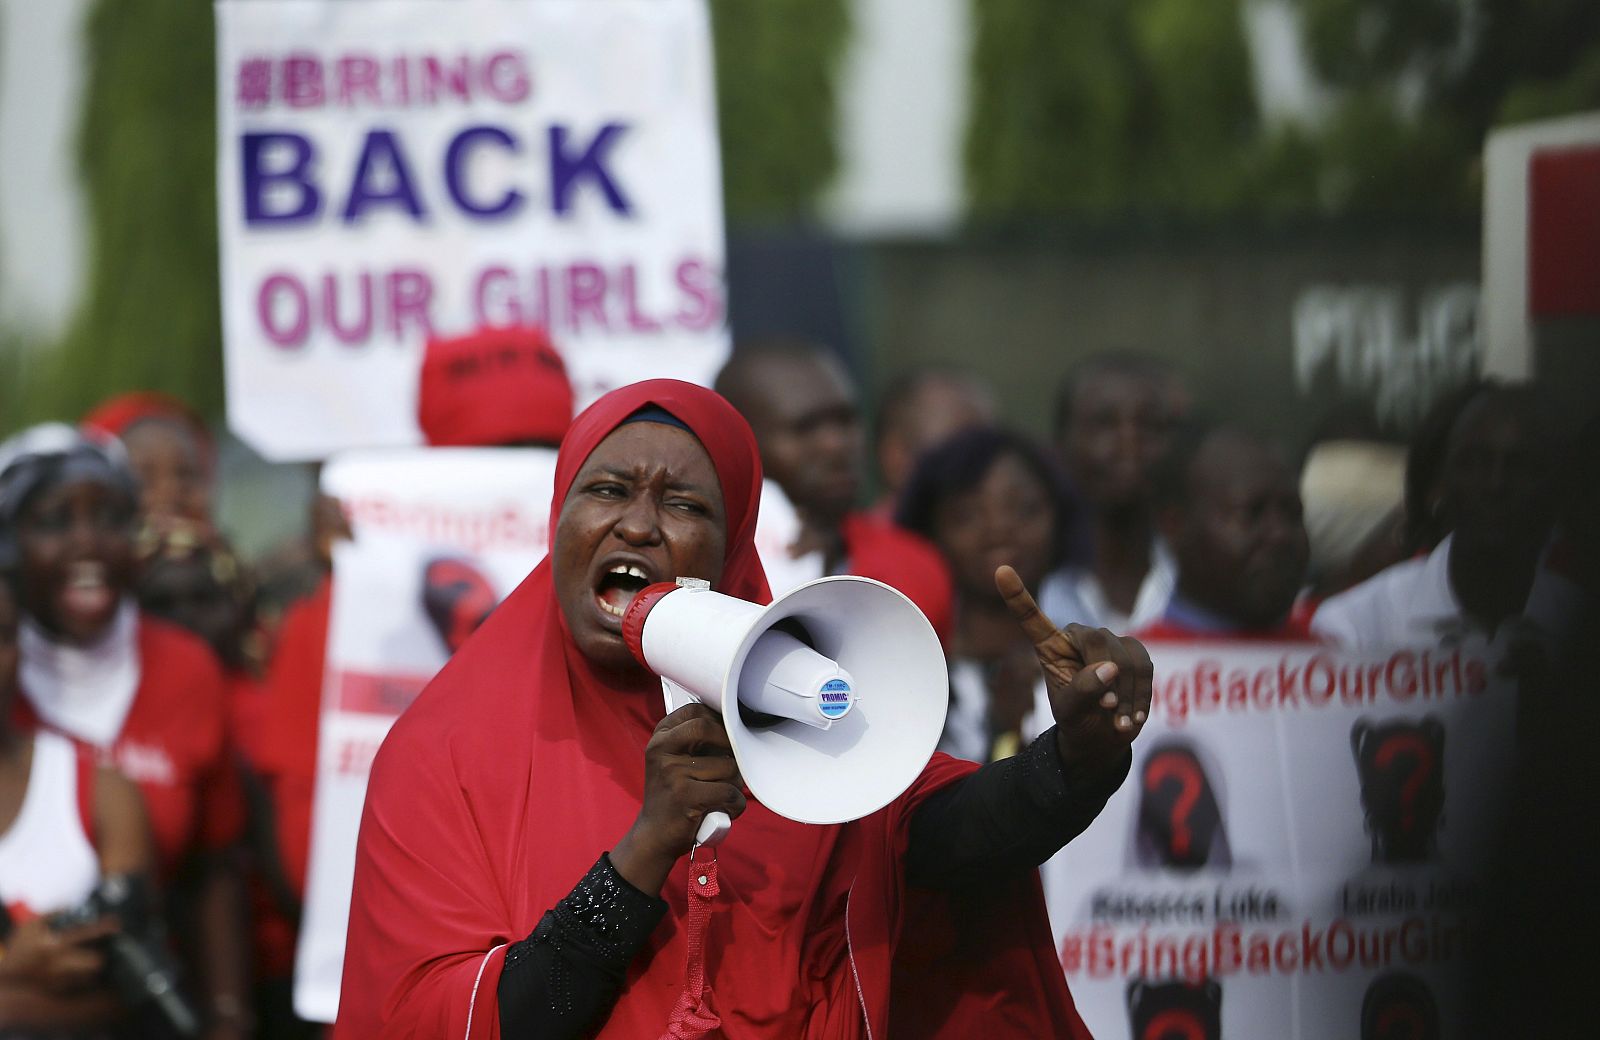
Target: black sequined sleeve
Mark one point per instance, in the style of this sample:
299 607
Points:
562 980
1008 816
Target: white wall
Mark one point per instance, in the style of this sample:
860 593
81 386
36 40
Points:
1286 87
41 214
902 117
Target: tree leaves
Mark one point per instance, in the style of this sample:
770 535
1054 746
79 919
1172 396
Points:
1106 110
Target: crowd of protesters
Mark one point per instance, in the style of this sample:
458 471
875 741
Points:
157 723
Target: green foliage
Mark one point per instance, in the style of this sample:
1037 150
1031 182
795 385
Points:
147 155
1109 106
16 362
1105 109
1372 159
1202 124
1356 43
1423 82
1532 59
776 64
146 147
1051 107
1578 91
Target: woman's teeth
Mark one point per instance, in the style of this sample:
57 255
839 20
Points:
618 587
86 590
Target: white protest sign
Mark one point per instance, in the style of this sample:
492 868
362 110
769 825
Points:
391 169
1299 851
439 536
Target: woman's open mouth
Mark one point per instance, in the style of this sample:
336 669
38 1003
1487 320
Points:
86 592
617 587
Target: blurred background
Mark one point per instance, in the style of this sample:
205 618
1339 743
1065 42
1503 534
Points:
1282 197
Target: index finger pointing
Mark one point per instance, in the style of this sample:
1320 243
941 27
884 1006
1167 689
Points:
1144 672
1020 601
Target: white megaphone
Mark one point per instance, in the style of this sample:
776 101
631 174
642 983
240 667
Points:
834 696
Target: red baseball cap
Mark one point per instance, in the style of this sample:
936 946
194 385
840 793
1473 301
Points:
115 415
494 386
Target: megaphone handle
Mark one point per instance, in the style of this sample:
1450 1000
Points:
713 828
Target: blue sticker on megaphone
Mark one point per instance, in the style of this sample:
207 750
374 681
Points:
834 699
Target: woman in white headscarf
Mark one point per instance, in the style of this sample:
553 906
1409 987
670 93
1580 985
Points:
147 696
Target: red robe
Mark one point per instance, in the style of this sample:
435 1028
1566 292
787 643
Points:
521 763
288 745
284 752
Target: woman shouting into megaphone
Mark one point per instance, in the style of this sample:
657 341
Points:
525 864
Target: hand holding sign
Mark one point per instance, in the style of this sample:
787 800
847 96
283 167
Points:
1099 683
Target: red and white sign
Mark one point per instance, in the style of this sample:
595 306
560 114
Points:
1541 260
1299 851
440 536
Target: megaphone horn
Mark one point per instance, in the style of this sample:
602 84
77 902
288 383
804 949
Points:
834 696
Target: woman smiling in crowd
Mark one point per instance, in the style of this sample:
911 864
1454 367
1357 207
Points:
64 824
149 696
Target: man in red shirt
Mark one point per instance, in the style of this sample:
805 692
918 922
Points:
1229 507
802 407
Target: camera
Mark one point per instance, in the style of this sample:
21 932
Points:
138 964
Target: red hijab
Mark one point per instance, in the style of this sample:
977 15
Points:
521 763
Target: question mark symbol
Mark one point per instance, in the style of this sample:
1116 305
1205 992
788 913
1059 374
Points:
1180 766
1174 1024
1400 1022
1422 758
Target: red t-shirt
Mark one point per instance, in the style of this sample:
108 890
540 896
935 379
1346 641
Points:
272 931
288 746
174 744
875 548
247 714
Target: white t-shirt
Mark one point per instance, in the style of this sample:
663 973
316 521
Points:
1072 595
46 860
1412 603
